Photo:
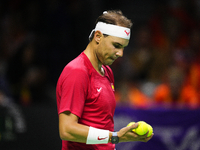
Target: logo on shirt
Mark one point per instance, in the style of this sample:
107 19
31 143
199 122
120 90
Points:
112 86
99 89
102 138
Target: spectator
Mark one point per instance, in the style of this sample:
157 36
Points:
174 93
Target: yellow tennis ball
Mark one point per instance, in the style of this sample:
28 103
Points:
150 130
141 129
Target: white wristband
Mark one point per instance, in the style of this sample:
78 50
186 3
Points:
97 136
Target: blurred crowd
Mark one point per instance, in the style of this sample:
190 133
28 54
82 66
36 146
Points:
37 39
160 68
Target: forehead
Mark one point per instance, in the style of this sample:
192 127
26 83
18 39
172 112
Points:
121 41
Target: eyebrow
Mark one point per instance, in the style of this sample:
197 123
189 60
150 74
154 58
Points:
119 44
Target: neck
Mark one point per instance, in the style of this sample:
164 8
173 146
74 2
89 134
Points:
91 54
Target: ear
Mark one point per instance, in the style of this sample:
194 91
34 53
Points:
98 36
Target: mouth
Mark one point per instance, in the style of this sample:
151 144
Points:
113 59
109 61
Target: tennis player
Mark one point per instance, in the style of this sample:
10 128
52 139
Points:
85 90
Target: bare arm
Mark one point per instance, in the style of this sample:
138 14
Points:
71 130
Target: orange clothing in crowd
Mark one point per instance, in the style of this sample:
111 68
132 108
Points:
138 99
187 98
134 98
194 76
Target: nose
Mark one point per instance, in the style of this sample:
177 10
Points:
120 52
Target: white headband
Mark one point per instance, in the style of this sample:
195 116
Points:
112 30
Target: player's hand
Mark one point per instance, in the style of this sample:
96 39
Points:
127 135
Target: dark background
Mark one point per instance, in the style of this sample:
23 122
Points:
39 37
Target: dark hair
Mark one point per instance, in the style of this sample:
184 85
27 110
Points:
115 17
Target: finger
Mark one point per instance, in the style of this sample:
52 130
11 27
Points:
146 134
151 136
142 136
127 129
148 138
133 126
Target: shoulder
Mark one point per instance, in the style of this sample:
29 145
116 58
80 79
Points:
75 70
78 64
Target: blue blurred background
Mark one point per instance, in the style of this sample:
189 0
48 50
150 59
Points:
157 80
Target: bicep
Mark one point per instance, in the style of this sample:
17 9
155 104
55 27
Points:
73 92
66 119
70 129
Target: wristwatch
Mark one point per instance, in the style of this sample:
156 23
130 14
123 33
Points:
114 138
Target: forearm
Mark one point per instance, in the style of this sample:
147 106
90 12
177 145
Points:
73 132
85 134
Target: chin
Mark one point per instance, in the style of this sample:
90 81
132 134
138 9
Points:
109 63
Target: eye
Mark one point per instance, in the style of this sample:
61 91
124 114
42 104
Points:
118 46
